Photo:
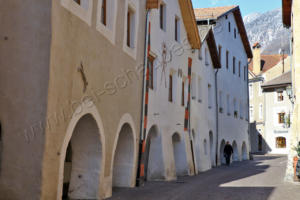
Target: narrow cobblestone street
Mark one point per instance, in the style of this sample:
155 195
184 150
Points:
260 179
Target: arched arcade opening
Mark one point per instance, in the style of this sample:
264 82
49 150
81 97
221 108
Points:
180 158
83 161
154 165
123 163
235 155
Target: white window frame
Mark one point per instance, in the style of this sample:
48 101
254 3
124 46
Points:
81 12
251 90
134 6
251 110
109 31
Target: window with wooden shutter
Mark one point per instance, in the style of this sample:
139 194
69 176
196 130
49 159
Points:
281 142
162 16
170 88
227 59
103 12
182 94
281 117
128 27
280 96
233 65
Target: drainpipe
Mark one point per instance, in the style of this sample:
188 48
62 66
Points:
139 180
217 116
248 104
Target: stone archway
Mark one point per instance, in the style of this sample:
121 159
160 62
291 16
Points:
244 151
180 158
222 158
235 155
154 165
83 161
124 158
211 148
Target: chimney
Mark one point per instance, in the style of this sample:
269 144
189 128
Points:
256 58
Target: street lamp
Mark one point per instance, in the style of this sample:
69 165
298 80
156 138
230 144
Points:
289 92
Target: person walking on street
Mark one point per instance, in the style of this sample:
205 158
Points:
228 151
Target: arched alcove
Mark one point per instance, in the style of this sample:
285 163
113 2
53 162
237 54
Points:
179 155
222 158
211 147
154 165
235 155
124 158
83 161
244 151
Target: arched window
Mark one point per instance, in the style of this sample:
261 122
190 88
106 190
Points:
281 142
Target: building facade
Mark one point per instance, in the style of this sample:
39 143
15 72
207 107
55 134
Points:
266 127
232 82
278 114
77 134
98 94
291 19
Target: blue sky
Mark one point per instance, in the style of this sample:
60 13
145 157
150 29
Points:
246 6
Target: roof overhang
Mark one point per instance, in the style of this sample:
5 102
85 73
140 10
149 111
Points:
243 33
272 88
286 12
213 50
190 23
241 27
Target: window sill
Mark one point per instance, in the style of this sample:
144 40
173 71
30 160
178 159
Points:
106 32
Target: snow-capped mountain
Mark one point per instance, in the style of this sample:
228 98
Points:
267 29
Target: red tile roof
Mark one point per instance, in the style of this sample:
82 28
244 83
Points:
268 62
217 12
212 13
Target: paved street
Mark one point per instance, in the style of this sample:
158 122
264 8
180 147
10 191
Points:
260 179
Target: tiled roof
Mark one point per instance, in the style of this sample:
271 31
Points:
280 81
268 62
215 13
212 13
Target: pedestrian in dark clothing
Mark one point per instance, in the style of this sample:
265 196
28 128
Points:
228 151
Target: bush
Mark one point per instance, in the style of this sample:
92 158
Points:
297 149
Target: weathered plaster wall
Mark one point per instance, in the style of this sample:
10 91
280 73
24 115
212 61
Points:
114 86
295 137
24 72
